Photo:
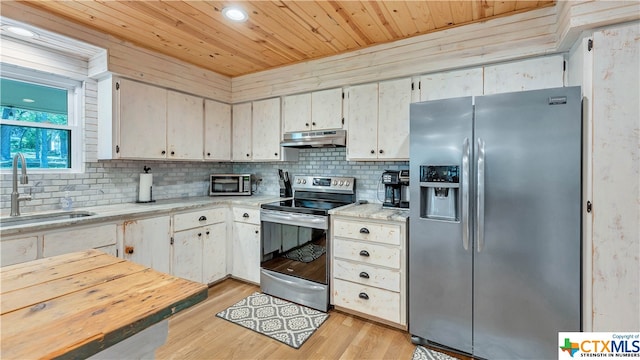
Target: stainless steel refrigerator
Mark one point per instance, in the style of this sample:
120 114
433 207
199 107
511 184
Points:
495 222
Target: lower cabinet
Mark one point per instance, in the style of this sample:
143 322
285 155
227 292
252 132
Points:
18 250
199 253
147 242
369 268
246 244
101 237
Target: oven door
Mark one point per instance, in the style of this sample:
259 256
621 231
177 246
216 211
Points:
294 262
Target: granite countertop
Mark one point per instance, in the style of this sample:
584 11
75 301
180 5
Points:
371 211
123 211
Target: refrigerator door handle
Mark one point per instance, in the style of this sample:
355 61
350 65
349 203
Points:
466 149
480 196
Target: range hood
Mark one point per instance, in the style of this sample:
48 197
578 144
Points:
314 139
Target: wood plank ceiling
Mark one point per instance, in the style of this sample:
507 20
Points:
277 33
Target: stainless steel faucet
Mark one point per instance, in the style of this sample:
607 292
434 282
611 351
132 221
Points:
24 179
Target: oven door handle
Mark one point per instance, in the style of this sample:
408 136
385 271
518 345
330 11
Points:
292 283
287 218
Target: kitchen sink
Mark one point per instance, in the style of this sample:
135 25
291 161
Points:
38 218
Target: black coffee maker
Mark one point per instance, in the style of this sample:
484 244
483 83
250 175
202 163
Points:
396 188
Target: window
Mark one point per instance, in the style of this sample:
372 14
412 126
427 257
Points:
39 120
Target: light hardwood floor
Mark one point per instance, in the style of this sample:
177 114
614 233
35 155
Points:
197 333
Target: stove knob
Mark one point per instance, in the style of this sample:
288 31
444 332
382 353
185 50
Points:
341 183
298 181
346 183
335 182
304 181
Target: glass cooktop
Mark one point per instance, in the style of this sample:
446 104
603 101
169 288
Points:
305 206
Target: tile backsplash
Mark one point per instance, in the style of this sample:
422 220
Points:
116 181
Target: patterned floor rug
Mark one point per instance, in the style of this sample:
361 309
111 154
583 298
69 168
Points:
306 253
422 353
281 320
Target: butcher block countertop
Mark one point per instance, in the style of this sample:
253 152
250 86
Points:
78 304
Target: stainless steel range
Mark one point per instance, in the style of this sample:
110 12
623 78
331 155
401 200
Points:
295 243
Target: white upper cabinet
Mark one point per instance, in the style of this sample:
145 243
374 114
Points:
378 120
319 110
266 127
326 109
531 74
141 116
394 99
296 112
141 121
241 130
451 84
362 118
184 126
217 131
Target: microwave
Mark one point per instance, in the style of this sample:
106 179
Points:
229 184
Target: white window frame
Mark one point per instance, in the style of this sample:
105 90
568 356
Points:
75 117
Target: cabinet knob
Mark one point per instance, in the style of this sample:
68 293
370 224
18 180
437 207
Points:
373 151
208 154
364 275
314 124
363 296
364 253
248 155
245 215
276 154
207 233
202 218
163 152
199 234
173 153
128 249
257 231
381 151
364 230
306 124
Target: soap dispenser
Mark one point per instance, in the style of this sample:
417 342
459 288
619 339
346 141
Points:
66 202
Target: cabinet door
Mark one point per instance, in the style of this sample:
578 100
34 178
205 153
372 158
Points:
184 126
142 120
146 242
187 254
64 242
20 250
451 84
363 122
266 126
214 253
246 252
217 131
531 74
326 109
241 132
296 112
394 99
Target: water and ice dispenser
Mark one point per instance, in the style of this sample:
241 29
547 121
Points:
439 192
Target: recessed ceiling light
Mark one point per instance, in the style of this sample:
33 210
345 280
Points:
28 100
20 31
235 13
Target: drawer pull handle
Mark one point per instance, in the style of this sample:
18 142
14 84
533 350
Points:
128 249
364 231
202 218
364 253
245 215
364 275
363 296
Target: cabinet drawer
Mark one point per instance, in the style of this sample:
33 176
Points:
245 215
365 299
367 275
381 233
16 251
194 219
80 239
367 253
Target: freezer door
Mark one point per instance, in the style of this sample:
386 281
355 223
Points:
527 252
440 269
